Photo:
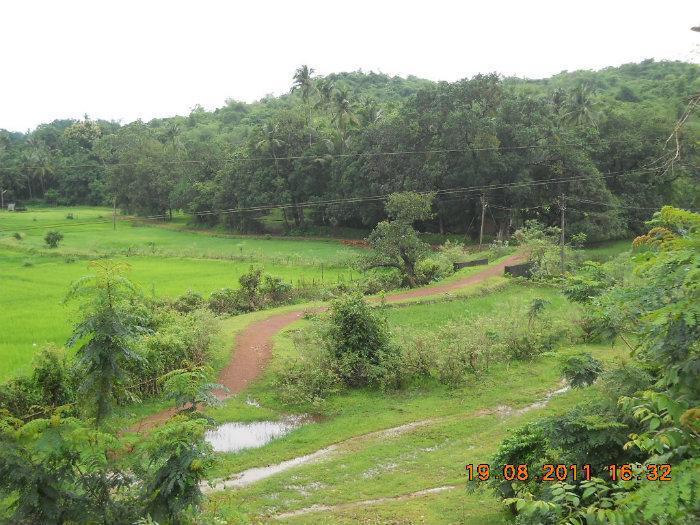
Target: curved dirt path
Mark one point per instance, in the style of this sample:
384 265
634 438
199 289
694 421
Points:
253 348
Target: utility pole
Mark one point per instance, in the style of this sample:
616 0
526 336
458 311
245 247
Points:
483 213
562 206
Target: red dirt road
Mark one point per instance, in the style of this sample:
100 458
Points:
253 348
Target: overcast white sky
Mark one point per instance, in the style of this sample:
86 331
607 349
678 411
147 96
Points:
124 60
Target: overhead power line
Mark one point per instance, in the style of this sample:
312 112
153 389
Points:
354 200
273 158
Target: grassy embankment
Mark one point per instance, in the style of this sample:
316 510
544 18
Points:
460 430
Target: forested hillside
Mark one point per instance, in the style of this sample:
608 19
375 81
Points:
334 146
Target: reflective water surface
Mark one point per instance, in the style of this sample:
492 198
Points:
232 437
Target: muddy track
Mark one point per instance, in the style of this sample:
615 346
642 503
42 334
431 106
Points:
255 474
364 503
253 347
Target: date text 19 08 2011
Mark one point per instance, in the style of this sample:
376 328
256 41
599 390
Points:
563 472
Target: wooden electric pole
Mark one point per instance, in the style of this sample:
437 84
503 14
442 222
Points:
562 206
483 213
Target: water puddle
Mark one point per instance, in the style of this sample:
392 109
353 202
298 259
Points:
233 437
252 475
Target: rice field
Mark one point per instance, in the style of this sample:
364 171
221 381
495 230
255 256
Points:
165 262
90 232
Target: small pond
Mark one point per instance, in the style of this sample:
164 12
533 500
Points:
232 437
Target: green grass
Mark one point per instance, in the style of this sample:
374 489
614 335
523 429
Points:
429 456
85 237
32 313
165 261
606 250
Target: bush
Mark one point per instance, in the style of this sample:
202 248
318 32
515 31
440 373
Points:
453 251
433 268
275 291
189 301
542 245
357 337
225 301
465 349
180 341
588 282
498 249
20 397
51 376
70 216
590 433
249 292
625 380
17 236
52 238
581 369
51 196
376 281
308 380
530 343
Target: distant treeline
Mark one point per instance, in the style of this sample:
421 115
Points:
357 135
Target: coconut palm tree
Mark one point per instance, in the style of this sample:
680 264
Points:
580 106
303 82
325 88
368 111
343 113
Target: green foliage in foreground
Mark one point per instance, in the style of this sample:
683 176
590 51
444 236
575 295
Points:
61 470
125 343
106 333
659 309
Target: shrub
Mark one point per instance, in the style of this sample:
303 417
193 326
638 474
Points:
275 291
17 236
542 245
419 356
590 433
180 341
52 238
51 196
581 369
249 291
464 349
376 281
70 216
433 268
189 301
27 263
625 380
357 337
526 445
530 343
20 397
498 249
308 380
50 376
453 251
224 301
588 282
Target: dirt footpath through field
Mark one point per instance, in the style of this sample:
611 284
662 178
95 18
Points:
253 348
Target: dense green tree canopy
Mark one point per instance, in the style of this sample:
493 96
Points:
333 143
